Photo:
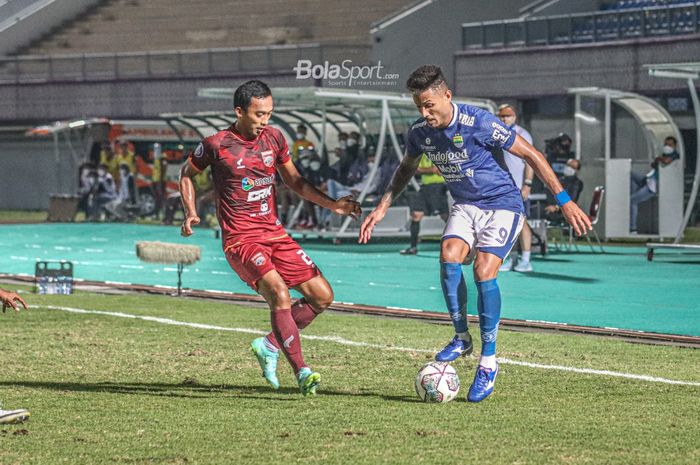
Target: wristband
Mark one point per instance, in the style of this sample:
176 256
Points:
562 197
528 182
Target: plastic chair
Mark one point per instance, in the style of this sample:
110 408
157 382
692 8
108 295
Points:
594 215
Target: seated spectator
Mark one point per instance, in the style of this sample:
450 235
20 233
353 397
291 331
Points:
358 178
103 192
347 155
87 177
645 186
122 207
311 167
572 185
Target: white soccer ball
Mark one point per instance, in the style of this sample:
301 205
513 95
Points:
437 382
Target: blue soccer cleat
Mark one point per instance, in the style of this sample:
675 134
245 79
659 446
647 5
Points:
482 387
308 381
454 349
267 360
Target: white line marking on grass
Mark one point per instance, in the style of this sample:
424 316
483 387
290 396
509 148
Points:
347 342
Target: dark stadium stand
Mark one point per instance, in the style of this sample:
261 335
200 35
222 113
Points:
157 25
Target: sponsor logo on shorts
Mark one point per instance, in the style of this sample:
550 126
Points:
259 259
458 141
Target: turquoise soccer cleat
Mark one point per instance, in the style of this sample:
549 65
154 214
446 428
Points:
267 360
308 381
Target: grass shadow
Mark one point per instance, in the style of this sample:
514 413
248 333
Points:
187 390
560 277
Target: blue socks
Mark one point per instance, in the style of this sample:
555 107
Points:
454 289
489 307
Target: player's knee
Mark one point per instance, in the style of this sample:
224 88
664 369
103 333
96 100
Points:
323 301
453 251
417 216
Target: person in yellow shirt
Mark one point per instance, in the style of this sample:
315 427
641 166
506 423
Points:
109 159
126 156
430 199
300 142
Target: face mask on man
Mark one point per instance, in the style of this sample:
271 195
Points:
351 142
343 144
568 171
299 135
315 165
668 150
101 173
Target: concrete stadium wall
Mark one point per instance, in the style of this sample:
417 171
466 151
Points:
35 20
530 72
119 99
433 33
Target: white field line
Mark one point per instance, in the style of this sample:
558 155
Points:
347 342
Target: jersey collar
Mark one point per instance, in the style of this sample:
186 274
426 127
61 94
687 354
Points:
455 113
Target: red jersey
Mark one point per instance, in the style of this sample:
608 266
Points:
244 174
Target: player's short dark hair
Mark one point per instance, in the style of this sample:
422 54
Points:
424 78
246 91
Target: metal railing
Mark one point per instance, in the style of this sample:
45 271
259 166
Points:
596 26
167 64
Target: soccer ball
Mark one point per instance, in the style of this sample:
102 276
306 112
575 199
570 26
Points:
437 382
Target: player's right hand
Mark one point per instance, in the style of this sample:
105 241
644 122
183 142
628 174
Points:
368 224
11 299
348 206
190 221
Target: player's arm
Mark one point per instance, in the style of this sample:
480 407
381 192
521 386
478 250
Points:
528 175
573 214
186 186
346 206
399 180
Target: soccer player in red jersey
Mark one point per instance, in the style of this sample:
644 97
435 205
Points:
244 160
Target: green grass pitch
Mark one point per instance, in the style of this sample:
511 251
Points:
115 390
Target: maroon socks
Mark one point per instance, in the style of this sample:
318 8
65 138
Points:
287 334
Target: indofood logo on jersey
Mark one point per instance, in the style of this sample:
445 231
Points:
448 156
248 183
345 73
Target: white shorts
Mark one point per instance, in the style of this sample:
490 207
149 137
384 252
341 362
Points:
492 231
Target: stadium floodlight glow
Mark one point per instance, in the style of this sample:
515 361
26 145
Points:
77 124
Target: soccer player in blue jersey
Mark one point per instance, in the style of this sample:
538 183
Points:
487 214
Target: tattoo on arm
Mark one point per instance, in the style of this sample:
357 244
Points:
402 176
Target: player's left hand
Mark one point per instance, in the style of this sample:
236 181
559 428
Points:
578 220
525 192
11 299
348 206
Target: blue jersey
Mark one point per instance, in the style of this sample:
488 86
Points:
463 152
